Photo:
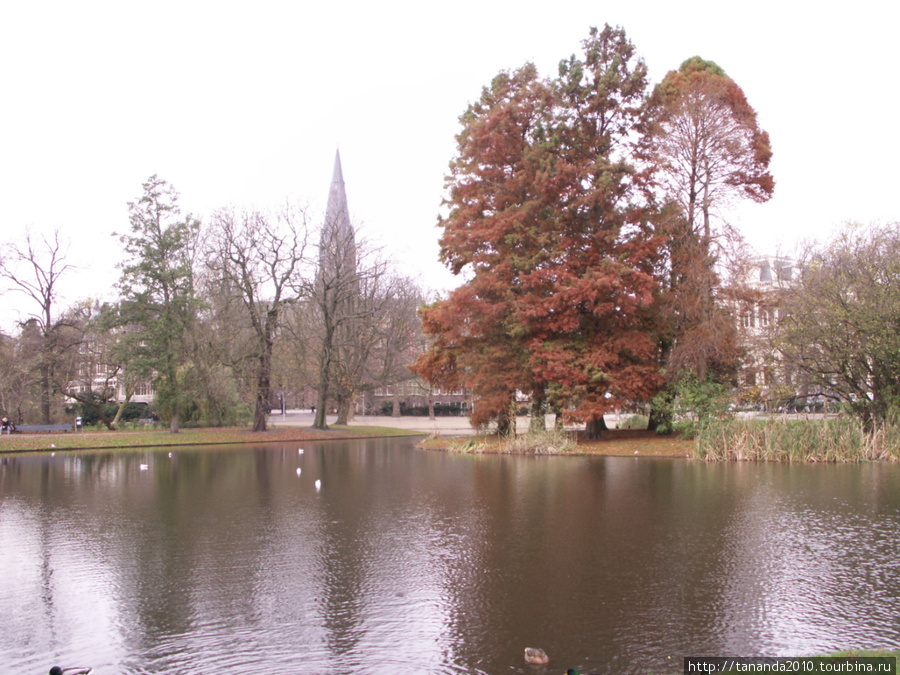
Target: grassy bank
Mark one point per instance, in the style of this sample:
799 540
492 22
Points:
617 442
781 439
94 440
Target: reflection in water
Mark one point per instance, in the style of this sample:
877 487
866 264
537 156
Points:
228 560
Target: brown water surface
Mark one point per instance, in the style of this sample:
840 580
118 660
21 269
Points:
228 561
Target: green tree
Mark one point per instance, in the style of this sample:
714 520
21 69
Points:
839 323
157 289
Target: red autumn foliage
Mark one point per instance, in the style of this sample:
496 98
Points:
546 217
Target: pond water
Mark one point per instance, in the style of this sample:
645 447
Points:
231 561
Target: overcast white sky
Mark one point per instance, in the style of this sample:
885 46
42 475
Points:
244 103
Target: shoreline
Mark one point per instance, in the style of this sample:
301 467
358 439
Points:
296 428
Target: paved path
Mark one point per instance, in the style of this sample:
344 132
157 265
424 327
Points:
442 426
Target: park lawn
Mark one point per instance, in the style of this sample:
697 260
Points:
93 440
615 442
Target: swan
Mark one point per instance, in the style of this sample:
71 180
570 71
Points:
536 657
299 471
300 451
144 467
56 670
318 485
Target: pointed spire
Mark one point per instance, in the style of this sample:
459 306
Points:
338 175
337 215
338 243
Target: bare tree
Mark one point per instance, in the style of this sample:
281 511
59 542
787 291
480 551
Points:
400 338
348 294
35 268
15 379
258 260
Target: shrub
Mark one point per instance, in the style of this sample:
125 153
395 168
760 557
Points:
634 422
694 404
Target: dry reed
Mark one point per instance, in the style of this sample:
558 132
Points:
782 439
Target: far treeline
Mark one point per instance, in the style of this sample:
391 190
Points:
585 216
218 322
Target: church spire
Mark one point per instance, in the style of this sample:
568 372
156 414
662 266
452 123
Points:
337 215
337 248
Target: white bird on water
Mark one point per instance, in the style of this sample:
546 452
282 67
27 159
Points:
144 467
299 471
300 451
318 485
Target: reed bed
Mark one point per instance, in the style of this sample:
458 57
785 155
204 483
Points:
781 439
550 442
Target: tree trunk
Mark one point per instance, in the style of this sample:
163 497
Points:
261 413
506 423
263 386
594 427
45 393
321 403
98 408
538 419
395 409
343 413
430 405
176 419
324 368
129 392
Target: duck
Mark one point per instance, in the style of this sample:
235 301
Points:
56 670
536 657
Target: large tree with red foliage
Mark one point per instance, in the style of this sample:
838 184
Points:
708 149
546 217
499 214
